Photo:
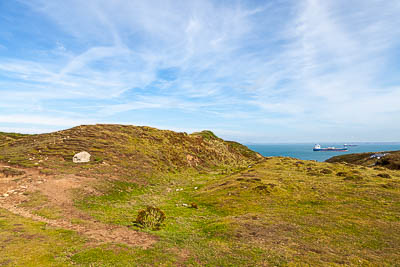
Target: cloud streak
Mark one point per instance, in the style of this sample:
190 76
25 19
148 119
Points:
307 66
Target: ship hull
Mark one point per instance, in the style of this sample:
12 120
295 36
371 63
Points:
330 149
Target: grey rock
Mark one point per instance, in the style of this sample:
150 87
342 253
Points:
81 157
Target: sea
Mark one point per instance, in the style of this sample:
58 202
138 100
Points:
305 151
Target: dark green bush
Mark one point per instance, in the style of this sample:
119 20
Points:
151 217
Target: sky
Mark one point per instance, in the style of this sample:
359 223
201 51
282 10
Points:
251 71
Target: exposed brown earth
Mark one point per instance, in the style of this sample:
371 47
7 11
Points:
15 190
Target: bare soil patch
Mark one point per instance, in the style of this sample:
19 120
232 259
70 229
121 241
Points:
57 189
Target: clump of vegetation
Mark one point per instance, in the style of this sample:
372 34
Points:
194 205
389 159
389 186
265 188
11 172
326 171
384 175
206 134
151 217
313 173
342 174
353 178
299 163
6 138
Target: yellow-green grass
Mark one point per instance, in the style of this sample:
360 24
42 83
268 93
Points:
231 209
27 243
125 150
279 212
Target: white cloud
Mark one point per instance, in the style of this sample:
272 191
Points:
299 63
42 120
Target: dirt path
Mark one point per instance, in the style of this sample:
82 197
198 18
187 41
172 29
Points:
14 189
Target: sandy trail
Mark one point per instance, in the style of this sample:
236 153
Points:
14 189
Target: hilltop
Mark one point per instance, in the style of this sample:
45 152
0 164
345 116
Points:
130 149
225 205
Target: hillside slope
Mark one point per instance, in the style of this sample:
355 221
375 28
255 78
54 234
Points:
10 137
130 149
224 204
387 159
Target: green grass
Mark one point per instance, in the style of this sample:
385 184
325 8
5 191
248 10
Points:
301 218
51 213
277 212
27 243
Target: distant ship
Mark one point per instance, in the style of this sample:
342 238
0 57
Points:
319 148
349 145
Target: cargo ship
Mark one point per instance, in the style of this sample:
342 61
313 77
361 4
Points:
349 145
319 148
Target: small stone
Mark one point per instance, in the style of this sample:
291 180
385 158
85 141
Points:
196 188
81 157
185 205
5 195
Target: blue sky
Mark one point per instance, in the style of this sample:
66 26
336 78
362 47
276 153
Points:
251 71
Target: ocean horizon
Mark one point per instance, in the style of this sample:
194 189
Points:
304 151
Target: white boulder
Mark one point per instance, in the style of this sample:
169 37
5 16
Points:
81 157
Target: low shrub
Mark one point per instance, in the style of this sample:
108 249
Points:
151 217
326 171
265 188
384 175
11 172
389 186
353 178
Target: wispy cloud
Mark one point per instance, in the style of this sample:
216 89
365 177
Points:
307 66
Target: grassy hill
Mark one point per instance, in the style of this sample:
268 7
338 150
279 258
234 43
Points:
6 138
129 149
224 204
390 160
